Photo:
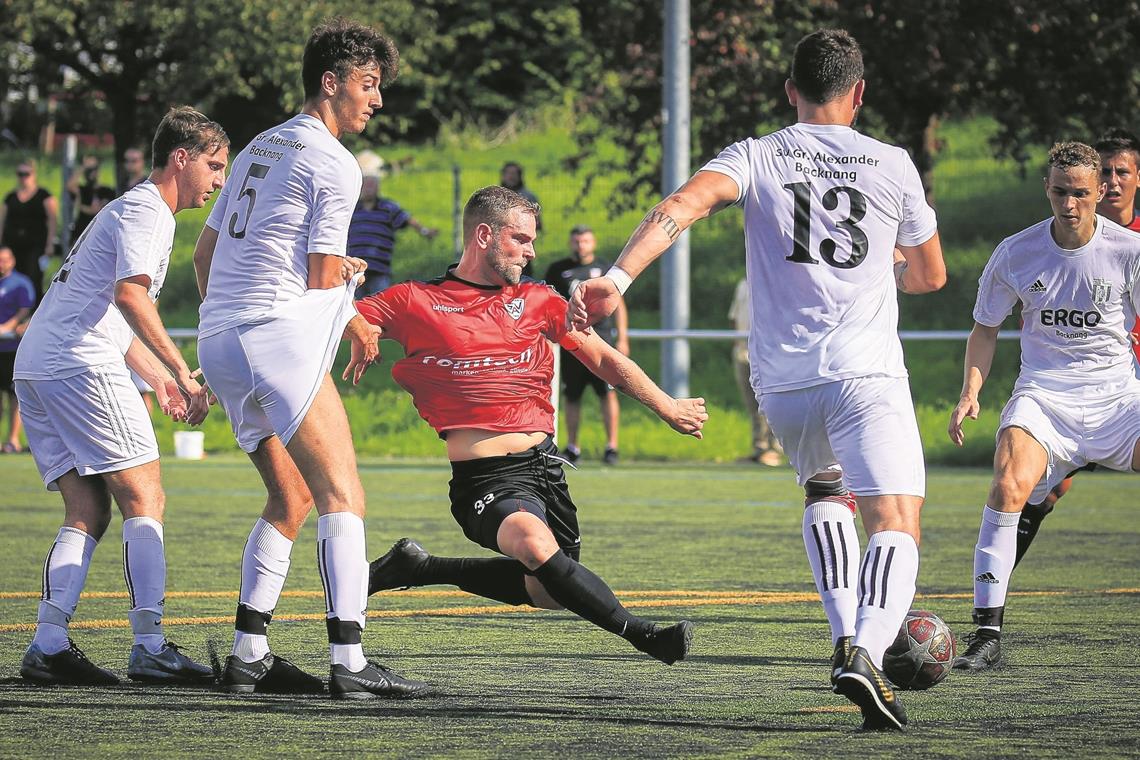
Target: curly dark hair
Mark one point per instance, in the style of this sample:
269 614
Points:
826 64
340 45
1066 155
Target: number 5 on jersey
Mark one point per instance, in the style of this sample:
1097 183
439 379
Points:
255 171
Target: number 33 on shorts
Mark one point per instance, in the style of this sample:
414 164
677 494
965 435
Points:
484 503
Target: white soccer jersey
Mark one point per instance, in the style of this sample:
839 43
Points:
824 207
1077 307
290 193
78 326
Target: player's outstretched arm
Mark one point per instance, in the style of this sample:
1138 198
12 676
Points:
922 269
980 347
703 195
203 257
685 415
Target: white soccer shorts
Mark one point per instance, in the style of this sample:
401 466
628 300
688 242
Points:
94 423
267 374
1075 432
864 426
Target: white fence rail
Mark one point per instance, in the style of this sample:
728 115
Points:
183 334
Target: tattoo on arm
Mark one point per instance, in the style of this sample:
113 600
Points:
900 272
666 223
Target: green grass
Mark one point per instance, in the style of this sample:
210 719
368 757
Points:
546 684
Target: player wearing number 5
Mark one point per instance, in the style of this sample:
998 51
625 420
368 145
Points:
277 290
824 209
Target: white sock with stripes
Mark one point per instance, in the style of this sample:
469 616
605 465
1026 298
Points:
886 589
343 561
144 567
993 559
65 573
264 566
832 545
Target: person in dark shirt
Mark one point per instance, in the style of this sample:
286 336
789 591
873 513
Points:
372 235
134 168
82 186
27 224
564 275
511 177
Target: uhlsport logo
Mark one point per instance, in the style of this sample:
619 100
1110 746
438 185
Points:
515 308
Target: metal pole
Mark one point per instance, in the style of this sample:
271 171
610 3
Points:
675 271
456 212
66 207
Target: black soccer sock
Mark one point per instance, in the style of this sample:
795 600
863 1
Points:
498 578
577 589
1031 517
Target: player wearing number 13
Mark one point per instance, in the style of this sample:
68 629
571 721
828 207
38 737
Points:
824 209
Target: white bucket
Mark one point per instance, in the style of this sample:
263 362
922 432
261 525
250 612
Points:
189 444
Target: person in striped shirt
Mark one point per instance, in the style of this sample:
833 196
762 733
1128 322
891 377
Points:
372 235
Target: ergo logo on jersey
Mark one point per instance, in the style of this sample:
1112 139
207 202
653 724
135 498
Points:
479 363
1069 318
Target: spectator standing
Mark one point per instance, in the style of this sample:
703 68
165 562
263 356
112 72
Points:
28 224
372 235
564 276
17 299
765 448
134 166
82 186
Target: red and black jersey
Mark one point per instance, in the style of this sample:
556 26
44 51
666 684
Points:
477 356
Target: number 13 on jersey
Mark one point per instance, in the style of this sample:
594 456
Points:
801 226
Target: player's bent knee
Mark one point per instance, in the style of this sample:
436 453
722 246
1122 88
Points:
526 538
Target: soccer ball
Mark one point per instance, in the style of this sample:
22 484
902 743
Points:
922 653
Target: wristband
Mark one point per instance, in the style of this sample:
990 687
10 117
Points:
620 278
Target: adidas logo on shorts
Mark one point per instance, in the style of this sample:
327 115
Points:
986 578
1037 287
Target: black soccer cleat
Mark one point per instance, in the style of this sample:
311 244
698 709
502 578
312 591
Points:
839 656
269 675
168 666
983 652
865 685
610 457
70 666
397 568
373 681
667 644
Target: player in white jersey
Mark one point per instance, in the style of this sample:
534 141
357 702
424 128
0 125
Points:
824 209
1077 397
88 429
277 294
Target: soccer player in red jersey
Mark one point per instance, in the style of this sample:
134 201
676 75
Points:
479 365
1119 152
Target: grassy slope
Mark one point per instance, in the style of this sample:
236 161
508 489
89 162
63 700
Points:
547 683
980 201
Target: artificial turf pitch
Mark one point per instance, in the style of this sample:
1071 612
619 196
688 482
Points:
718 545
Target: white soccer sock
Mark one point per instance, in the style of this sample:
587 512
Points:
65 572
832 545
886 589
993 558
343 561
264 566
144 567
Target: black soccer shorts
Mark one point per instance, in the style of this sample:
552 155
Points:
575 378
484 492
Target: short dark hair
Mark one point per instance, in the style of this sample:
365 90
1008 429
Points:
581 229
493 205
1118 140
183 127
1066 155
826 64
340 45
